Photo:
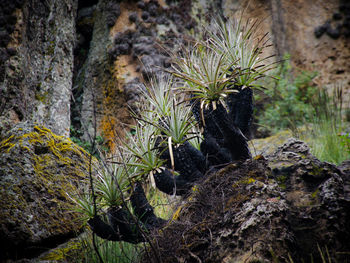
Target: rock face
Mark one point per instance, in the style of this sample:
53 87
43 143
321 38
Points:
125 38
37 71
125 49
289 206
37 170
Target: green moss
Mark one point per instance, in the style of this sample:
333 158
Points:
41 96
51 48
315 194
316 171
61 254
281 181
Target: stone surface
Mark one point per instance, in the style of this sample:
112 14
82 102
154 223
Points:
37 170
268 145
38 76
129 49
123 55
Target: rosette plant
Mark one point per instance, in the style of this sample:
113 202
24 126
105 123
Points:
240 43
112 186
206 74
173 124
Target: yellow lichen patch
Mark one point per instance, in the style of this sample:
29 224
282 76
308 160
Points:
177 213
41 167
7 144
57 145
246 180
108 127
259 157
113 104
195 188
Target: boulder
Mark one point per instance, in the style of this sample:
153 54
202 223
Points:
37 170
287 206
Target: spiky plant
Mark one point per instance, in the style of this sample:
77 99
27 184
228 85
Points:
196 139
240 43
111 186
206 74
169 118
178 125
158 96
84 205
229 60
142 147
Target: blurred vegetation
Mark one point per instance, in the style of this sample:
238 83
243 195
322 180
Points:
314 114
327 133
76 135
110 251
286 100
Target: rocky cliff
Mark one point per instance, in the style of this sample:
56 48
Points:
314 33
39 170
59 57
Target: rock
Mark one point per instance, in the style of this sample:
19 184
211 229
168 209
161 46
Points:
37 170
36 82
268 145
113 12
288 206
133 17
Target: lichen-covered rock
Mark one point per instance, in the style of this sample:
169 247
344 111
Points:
319 207
37 170
289 206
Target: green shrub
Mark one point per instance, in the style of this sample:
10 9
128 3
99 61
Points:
288 101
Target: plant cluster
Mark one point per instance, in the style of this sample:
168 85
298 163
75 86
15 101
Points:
188 125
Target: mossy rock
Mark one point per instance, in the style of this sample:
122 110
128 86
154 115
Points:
69 252
37 170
